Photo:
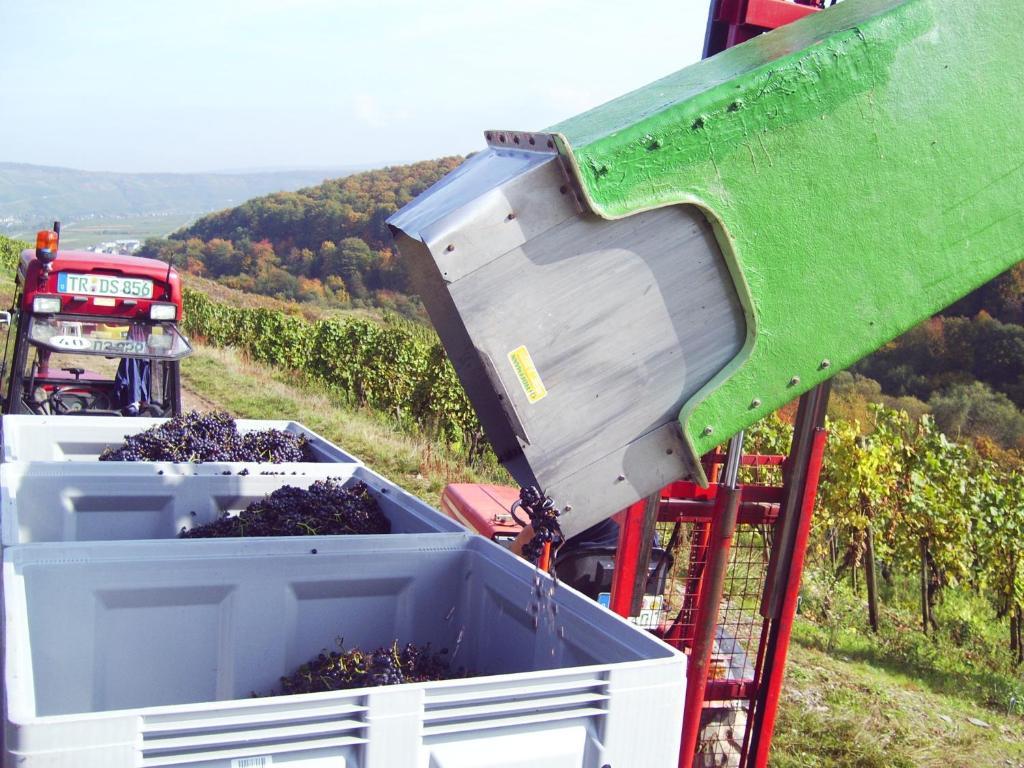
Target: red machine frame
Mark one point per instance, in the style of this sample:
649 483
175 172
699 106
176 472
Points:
715 515
732 22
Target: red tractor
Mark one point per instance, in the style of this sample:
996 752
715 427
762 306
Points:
94 334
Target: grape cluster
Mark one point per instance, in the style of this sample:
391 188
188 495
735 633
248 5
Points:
384 668
341 669
198 437
325 508
544 518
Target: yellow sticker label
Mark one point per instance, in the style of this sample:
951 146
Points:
527 374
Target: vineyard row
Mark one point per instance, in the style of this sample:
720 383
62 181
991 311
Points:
393 367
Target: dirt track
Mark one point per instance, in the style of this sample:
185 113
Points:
192 401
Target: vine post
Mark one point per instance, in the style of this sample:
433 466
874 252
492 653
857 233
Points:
1015 649
1020 634
925 617
870 578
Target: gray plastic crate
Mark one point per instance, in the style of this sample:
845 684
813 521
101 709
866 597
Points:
83 438
126 654
59 502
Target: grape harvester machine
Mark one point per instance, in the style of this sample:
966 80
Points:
94 334
624 292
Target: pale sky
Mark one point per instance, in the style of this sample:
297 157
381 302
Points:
195 85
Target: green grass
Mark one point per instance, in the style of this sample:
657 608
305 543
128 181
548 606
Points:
854 699
842 713
249 390
968 657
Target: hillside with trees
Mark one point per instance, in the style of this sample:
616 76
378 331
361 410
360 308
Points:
326 244
966 365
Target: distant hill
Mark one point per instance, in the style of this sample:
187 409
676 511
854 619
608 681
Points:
34 195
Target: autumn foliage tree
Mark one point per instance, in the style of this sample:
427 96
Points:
327 244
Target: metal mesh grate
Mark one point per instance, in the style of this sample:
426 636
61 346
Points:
738 636
739 620
679 608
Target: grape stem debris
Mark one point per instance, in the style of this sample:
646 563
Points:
387 665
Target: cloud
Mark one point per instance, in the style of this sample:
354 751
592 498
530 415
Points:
449 19
368 109
567 100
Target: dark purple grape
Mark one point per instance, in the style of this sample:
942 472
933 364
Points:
543 516
388 665
326 508
200 437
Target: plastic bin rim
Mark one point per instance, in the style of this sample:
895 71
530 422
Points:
599 671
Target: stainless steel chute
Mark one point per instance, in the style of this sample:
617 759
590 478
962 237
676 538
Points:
578 339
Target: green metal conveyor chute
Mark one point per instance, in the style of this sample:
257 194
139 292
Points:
863 169
625 291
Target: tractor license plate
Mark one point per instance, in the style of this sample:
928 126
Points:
104 346
104 285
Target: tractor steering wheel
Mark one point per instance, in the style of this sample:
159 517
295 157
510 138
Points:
73 399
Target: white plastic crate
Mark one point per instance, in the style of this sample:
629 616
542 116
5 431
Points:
43 501
83 438
126 655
